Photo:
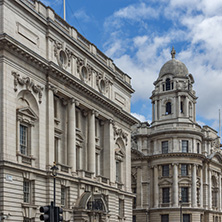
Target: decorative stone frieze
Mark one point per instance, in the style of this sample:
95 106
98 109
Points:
28 83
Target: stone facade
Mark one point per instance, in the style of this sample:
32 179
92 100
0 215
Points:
62 100
176 164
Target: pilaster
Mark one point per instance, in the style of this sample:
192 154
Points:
72 135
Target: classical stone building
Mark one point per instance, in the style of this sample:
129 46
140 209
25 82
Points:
63 100
176 163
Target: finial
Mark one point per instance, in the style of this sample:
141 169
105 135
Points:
173 53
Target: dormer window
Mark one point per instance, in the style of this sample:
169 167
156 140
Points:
168 108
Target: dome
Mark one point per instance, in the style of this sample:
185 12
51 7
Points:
174 67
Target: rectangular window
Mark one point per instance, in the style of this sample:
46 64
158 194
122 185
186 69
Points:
165 170
118 171
121 208
165 218
23 139
184 169
185 194
64 193
166 195
165 147
186 217
26 191
184 146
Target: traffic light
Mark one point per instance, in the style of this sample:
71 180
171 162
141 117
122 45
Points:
57 212
48 215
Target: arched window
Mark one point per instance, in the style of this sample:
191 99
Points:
168 108
167 84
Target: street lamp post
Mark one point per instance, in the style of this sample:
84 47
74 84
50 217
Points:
54 169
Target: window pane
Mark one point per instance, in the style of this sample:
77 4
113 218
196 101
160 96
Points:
26 191
166 195
184 169
165 218
168 108
184 146
63 196
165 170
23 139
167 84
165 147
118 173
186 217
184 194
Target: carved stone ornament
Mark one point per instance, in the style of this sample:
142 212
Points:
28 83
215 143
62 54
84 70
102 83
119 133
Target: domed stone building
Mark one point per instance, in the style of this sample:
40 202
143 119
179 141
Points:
176 163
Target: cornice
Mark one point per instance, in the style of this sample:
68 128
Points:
169 155
51 69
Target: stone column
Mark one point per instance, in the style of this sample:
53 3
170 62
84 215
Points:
139 188
194 186
178 106
209 190
156 187
109 159
160 109
219 199
72 135
201 187
153 111
91 143
175 185
205 186
50 125
156 107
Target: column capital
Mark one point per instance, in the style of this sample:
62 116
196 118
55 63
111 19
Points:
54 89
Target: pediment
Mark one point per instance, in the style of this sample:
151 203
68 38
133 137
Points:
216 157
185 180
165 182
27 112
136 153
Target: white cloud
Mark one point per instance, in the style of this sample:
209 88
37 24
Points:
81 14
197 25
137 12
141 118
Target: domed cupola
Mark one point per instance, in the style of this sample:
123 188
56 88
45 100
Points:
173 98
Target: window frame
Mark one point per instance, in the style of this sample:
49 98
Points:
165 147
24 138
165 218
185 147
27 185
165 195
168 108
184 172
185 194
165 170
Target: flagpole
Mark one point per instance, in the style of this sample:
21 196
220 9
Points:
64 9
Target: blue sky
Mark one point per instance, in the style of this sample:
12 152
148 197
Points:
139 34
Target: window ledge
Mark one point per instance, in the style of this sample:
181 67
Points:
29 205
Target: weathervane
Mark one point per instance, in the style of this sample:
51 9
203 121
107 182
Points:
173 53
